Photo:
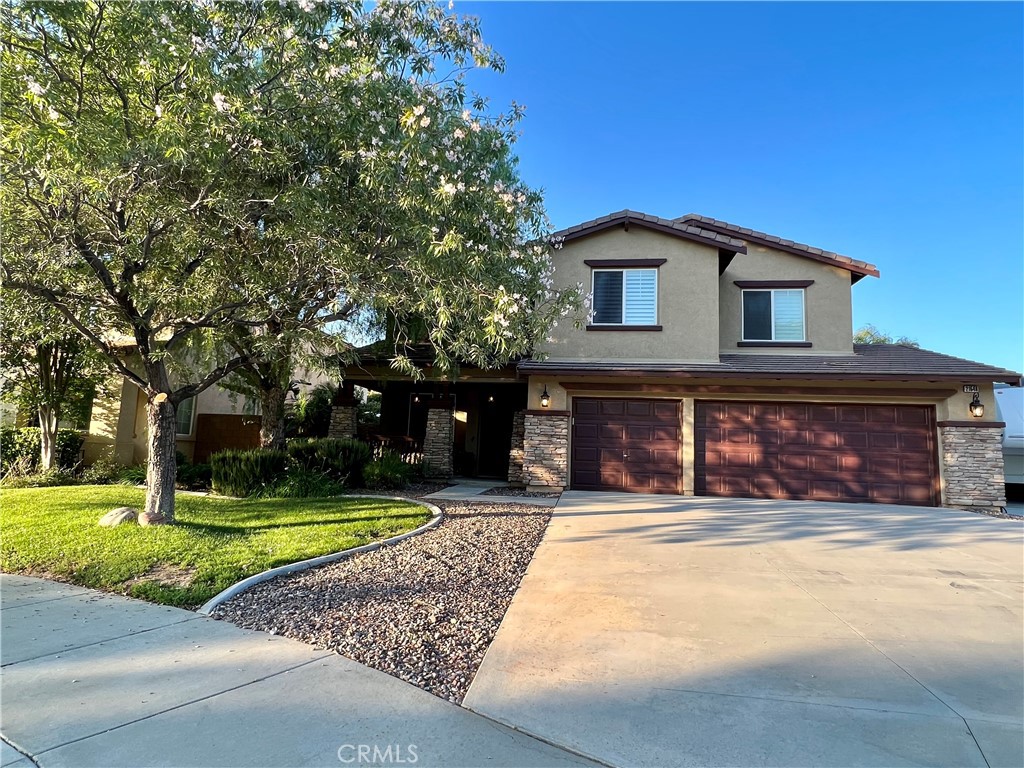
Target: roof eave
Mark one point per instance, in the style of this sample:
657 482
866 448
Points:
628 221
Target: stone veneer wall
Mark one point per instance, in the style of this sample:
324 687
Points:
972 466
546 449
438 443
343 421
516 476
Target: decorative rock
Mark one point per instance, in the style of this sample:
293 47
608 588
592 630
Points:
147 519
119 516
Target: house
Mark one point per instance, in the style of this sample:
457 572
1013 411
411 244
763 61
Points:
719 361
212 421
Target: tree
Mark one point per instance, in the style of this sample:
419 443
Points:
51 368
869 334
176 174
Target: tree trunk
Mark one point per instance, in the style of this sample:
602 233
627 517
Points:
272 417
162 467
47 437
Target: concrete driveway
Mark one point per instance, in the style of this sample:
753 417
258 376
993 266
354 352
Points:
658 631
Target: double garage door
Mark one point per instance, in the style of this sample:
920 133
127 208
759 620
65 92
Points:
842 452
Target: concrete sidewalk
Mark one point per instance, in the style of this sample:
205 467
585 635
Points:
91 679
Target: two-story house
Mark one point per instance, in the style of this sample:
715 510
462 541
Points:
718 361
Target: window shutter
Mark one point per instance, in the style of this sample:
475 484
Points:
789 315
641 296
608 298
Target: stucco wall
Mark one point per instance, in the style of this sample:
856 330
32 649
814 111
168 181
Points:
687 299
828 305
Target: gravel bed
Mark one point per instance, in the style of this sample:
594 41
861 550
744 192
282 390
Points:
423 610
505 491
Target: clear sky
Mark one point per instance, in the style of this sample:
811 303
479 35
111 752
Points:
892 133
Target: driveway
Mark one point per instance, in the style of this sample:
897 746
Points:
91 679
658 631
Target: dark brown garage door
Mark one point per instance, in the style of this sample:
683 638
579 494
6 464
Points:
626 445
878 453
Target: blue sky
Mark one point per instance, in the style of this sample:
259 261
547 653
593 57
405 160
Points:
893 133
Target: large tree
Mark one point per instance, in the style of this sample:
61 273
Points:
179 177
869 334
49 367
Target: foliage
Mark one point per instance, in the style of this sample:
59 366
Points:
43 478
387 472
310 416
243 473
217 542
132 475
342 459
21 446
104 470
369 410
869 334
301 483
194 477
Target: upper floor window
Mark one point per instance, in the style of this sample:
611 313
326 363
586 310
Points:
773 315
625 296
184 416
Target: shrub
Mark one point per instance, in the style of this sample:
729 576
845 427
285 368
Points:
45 479
242 473
18 444
342 459
134 475
389 471
300 483
103 471
193 477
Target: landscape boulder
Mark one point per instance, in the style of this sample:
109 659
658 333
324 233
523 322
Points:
119 516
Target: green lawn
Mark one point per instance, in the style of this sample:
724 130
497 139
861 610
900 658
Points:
215 542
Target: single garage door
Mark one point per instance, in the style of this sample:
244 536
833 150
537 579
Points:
878 453
626 445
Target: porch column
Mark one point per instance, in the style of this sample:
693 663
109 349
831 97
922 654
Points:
546 450
343 413
972 465
439 439
516 477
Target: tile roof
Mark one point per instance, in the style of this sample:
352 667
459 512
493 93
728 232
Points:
868 361
686 230
773 241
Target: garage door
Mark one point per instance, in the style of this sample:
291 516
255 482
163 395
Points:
878 453
626 445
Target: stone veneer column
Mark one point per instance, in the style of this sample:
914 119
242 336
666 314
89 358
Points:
515 454
439 440
972 464
546 450
343 421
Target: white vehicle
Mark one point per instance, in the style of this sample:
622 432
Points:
1010 408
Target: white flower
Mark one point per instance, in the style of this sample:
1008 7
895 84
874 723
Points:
475 126
306 5
321 44
418 110
35 88
53 113
351 43
466 114
159 110
220 102
425 121
459 133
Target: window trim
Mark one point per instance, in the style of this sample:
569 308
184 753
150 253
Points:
595 326
191 420
802 341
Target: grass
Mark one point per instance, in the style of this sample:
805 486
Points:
53 532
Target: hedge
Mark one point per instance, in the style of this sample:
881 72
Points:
23 445
342 459
243 473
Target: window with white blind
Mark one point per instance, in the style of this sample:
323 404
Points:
625 296
773 315
185 416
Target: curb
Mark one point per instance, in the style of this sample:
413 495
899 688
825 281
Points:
304 565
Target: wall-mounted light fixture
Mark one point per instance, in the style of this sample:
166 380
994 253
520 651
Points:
977 408
545 398
490 398
415 398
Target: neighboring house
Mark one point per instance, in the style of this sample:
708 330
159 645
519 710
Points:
212 421
719 361
1010 405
